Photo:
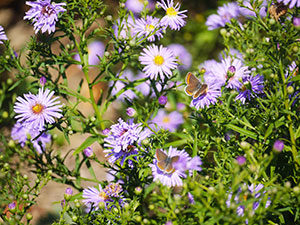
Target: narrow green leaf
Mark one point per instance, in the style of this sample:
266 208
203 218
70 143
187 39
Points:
90 140
297 133
90 168
176 143
244 132
269 131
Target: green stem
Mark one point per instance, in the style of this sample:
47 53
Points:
286 104
84 58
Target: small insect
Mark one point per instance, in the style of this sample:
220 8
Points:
164 162
194 86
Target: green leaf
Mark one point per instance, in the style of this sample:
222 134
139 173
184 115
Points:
269 131
89 141
244 132
176 143
297 134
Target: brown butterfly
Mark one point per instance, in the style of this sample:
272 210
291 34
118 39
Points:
194 86
164 162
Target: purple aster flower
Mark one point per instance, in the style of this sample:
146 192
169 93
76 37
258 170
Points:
2 35
173 18
229 71
35 110
162 100
69 191
291 3
22 133
92 197
191 198
225 14
95 50
130 112
255 191
43 80
184 57
210 96
157 61
247 9
251 86
278 146
296 21
88 152
12 205
167 121
113 190
169 167
241 160
123 140
136 6
44 14
148 28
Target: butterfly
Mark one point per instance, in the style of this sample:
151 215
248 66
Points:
194 86
164 162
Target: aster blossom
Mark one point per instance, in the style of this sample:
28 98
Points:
167 121
2 35
228 72
179 167
149 27
184 57
44 15
251 86
173 18
157 61
291 3
93 196
22 133
123 140
225 14
36 110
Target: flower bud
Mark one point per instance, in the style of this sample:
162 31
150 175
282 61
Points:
43 80
278 146
162 100
130 112
88 152
29 216
138 190
241 160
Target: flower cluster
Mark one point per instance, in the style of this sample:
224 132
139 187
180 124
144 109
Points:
34 111
254 191
159 60
169 167
93 196
231 73
44 15
233 11
123 140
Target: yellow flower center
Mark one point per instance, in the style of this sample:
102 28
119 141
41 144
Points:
37 108
166 119
158 60
150 27
171 12
103 195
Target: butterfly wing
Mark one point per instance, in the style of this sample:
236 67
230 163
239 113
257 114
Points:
160 155
200 91
193 84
